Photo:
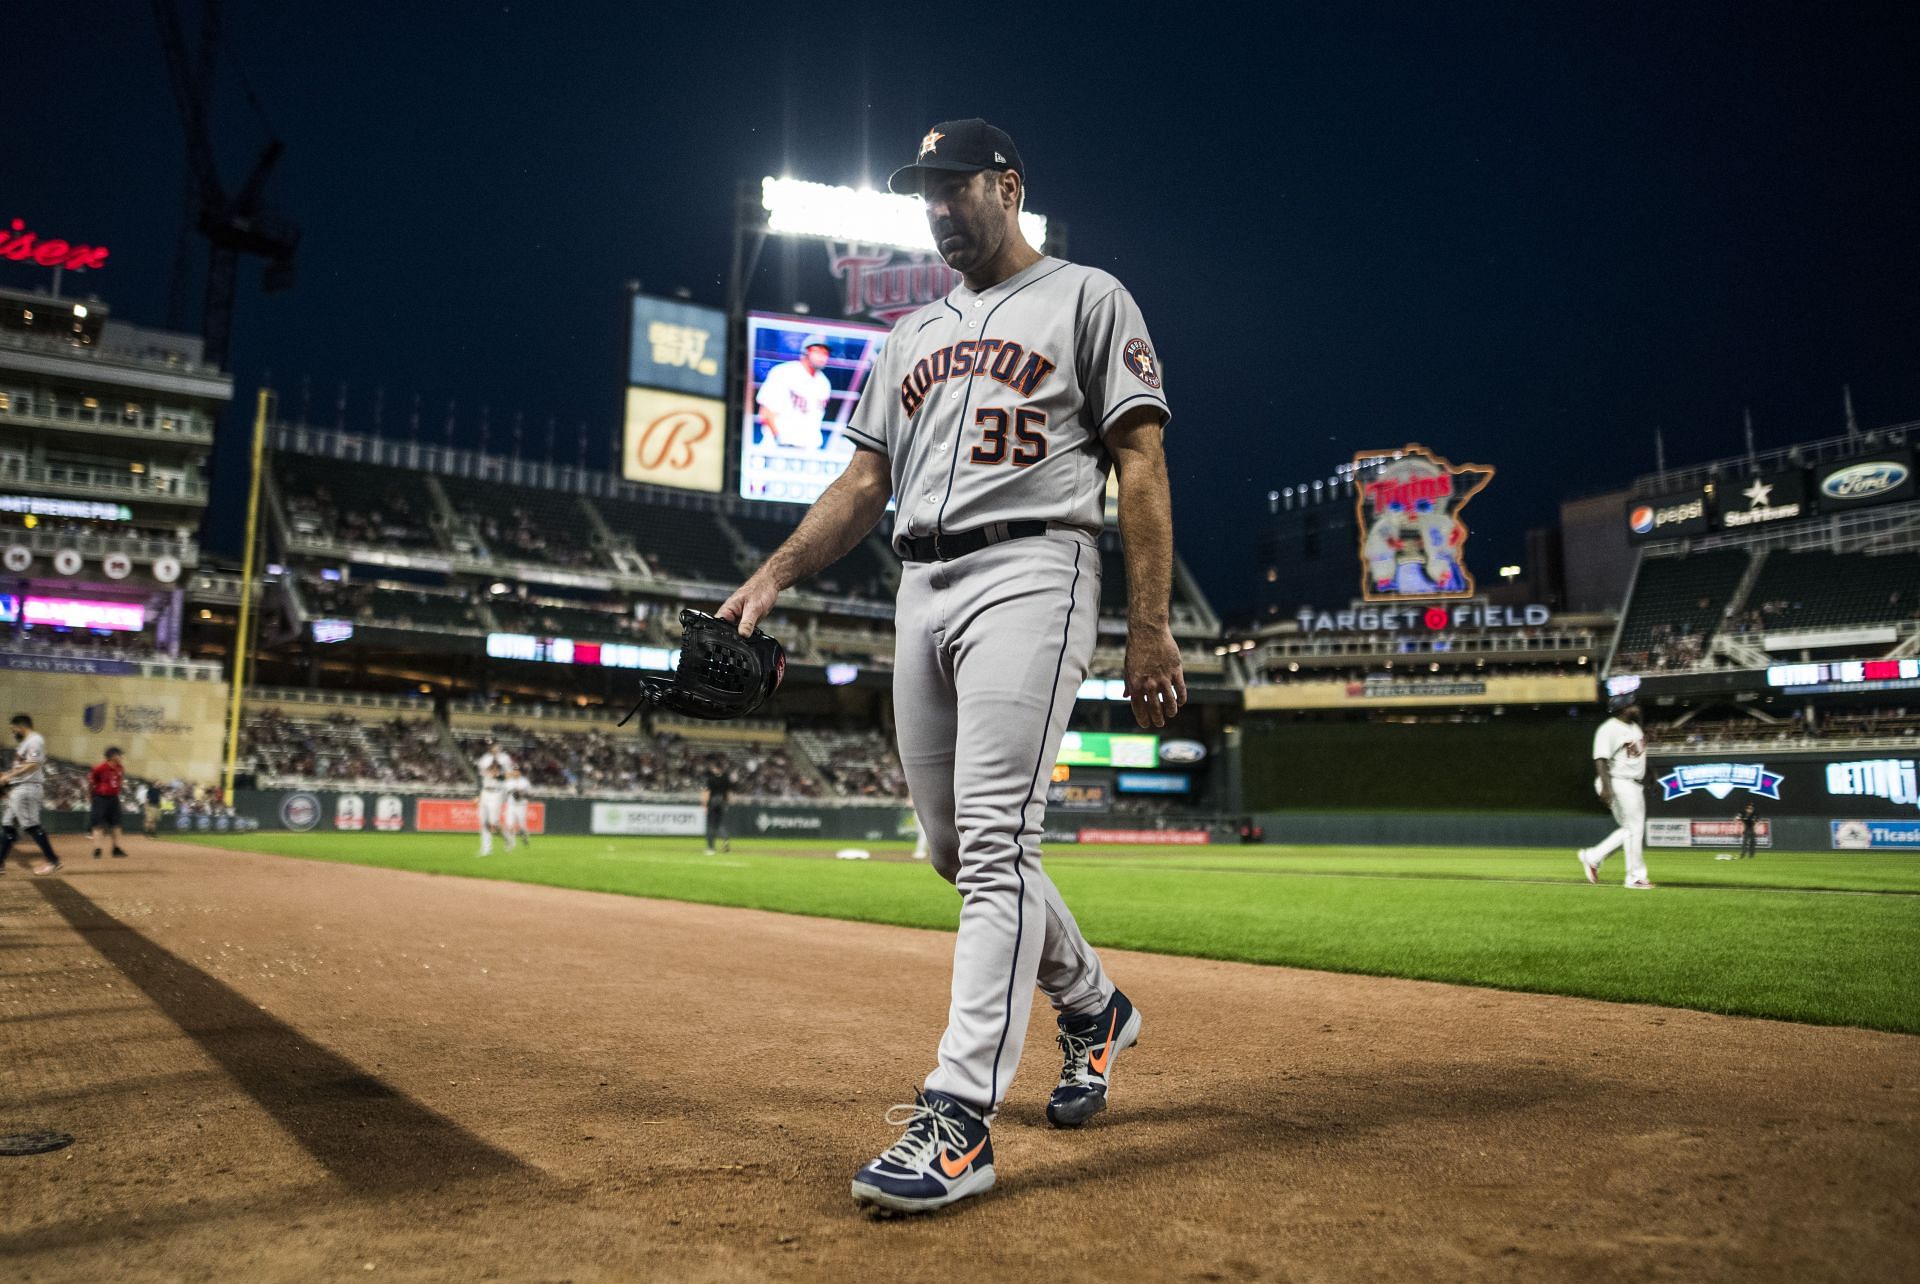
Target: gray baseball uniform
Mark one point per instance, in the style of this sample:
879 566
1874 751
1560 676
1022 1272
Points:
991 409
25 799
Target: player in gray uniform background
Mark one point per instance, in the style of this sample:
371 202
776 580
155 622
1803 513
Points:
26 785
993 416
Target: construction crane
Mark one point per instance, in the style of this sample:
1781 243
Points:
232 224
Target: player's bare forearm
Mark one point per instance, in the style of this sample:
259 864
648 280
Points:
839 519
1146 516
1156 684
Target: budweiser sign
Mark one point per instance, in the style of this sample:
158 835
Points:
886 285
22 246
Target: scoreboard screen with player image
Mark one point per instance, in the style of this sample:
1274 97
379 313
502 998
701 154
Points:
804 377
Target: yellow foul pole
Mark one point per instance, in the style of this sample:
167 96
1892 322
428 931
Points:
242 636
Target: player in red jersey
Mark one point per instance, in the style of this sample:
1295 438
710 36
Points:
106 778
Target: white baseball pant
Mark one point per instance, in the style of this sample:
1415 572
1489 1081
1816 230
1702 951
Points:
990 650
1630 814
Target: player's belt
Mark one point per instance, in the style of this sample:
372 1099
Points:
945 547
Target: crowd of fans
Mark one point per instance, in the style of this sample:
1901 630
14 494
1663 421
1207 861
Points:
593 761
1671 646
80 643
859 764
340 747
393 517
393 607
519 535
1796 730
69 788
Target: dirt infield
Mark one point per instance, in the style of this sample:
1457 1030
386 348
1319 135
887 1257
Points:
289 1070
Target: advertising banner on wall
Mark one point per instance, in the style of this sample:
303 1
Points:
168 729
1670 516
1149 837
462 816
679 820
1760 501
679 347
674 439
1825 785
1870 835
1861 483
1080 789
1705 833
1108 749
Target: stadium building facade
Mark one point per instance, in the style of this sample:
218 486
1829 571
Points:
1772 628
105 432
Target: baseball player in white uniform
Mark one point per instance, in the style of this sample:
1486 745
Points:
792 400
494 766
1620 767
26 784
518 789
994 417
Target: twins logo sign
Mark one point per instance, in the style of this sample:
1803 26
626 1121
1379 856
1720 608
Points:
1720 779
1411 535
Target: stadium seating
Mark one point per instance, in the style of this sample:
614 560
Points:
309 746
1678 603
517 523
859 764
337 501
678 542
860 573
597 760
389 606
1821 590
545 617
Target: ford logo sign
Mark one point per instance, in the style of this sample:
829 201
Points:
1182 751
1864 481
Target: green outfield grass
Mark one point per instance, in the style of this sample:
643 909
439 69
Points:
1827 937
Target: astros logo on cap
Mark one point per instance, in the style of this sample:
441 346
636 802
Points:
926 144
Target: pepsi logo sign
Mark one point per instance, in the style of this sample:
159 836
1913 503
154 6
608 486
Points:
1641 519
1864 481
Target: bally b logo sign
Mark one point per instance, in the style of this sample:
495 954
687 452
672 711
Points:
673 439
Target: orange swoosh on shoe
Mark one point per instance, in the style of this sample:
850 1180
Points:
1099 1063
953 1165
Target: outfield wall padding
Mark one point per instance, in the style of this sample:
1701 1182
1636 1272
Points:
1503 766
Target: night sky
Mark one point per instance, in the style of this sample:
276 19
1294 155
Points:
1521 237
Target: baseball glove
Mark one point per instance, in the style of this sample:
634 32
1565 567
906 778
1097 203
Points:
721 675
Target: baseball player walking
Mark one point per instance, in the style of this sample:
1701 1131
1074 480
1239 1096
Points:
993 417
493 766
26 785
1620 765
519 791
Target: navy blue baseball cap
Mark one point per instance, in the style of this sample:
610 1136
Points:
959 147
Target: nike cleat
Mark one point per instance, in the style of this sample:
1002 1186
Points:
1088 1046
1592 867
944 1156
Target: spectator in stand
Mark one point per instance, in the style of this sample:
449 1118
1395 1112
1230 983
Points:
719 789
150 813
106 778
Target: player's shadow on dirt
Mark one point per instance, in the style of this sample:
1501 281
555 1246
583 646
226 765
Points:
1289 1114
368 1135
